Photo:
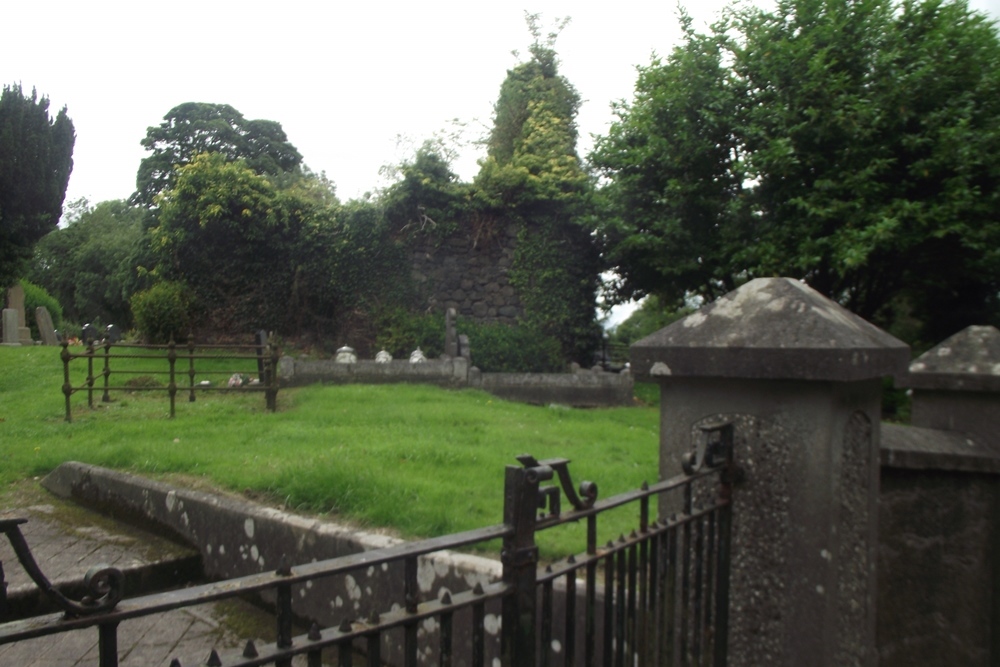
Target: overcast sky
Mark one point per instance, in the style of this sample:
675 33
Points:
344 82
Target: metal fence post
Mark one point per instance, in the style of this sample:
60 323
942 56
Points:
520 562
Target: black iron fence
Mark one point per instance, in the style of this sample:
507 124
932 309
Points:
177 363
658 596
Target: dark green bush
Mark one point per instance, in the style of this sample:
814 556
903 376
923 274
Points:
162 311
35 296
501 348
400 333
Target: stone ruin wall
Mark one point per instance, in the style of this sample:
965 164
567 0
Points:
468 271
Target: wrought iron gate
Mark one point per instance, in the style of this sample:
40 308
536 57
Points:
658 596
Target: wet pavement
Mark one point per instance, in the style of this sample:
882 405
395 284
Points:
66 541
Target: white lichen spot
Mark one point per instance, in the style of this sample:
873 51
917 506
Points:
248 528
353 590
185 520
339 602
430 625
693 320
996 369
944 352
385 567
208 549
302 592
820 589
222 549
254 552
491 624
826 555
368 590
370 571
309 584
171 500
260 561
918 366
441 568
660 368
395 607
496 663
425 575
556 646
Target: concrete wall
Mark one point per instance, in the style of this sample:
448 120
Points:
582 388
238 538
939 550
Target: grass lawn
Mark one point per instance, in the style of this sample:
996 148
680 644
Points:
421 460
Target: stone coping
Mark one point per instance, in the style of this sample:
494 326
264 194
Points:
917 448
771 328
967 361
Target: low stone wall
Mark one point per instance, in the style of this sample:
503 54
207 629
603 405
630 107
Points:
301 372
238 538
581 388
939 549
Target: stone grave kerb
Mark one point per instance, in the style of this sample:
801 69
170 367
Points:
801 379
956 385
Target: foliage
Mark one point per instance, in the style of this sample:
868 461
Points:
851 144
400 332
396 456
35 297
648 318
502 348
428 195
36 158
163 312
90 265
532 174
193 128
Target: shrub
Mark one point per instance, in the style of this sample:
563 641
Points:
501 348
35 296
400 332
162 311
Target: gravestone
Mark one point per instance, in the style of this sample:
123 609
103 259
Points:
90 334
383 357
15 302
417 357
463 348
112 334
46 329
450 339
10 328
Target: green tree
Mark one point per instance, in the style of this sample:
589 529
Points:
193 128
92 264
36 158
849 143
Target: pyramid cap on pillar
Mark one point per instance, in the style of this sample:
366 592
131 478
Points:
774 329
967 361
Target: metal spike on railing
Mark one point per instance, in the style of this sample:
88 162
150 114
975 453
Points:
345 625
250 651
621 538
633 534
446 598
610 544
478 590
645 486
175 663
284 567
213 659
374 618
571 559
314 633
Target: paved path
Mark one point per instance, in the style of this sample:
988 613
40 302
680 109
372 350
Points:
66 541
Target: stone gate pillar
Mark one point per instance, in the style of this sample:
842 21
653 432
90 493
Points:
800 377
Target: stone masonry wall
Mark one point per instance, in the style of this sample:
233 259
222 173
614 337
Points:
468 271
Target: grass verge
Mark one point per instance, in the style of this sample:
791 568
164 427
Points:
420 460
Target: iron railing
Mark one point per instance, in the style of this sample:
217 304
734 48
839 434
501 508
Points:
658 596
264 352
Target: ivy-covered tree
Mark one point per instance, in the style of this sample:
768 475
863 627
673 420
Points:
853 144
193 128
36 158
532 174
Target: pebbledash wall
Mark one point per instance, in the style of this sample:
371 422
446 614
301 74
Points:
468 271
